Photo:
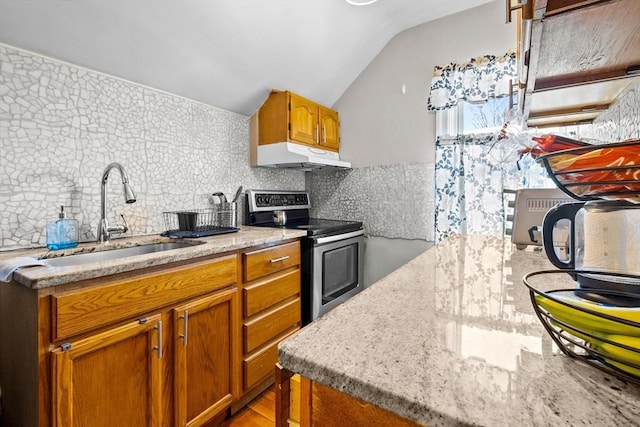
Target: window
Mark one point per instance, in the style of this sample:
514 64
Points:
468 118
484 117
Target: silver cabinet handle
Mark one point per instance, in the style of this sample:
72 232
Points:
282 258
159 347
324 133
317 136
185 316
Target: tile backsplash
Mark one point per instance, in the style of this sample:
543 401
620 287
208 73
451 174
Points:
621 121
60 125
393 201
397 201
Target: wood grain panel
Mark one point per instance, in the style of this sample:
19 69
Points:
303 120
260 365
287 117
283 395
294 400
261 295
118 368
270 260
273 118
329 129
204 355
331 408
273 323
85 309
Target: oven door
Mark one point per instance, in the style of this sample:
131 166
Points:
337 270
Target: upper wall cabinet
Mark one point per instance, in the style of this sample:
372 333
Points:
578 56
287 117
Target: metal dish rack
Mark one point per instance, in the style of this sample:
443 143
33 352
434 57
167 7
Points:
220 219
618 182
582 344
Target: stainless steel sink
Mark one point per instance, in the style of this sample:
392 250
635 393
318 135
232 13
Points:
84 258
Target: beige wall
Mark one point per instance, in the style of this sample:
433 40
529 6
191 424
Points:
379 124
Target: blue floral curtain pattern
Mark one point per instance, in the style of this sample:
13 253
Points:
476 80
471 173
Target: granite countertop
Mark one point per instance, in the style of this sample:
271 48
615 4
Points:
41 277
451 339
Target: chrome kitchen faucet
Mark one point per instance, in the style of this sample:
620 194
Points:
104 230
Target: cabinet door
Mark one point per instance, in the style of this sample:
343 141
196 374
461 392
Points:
303 120
205 345
329 129
112 378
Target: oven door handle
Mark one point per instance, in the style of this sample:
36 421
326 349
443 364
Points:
329 239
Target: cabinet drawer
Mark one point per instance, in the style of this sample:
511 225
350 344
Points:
262 295
262 364
269 326
262 262
85 309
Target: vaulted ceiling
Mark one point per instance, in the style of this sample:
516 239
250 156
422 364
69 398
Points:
225 53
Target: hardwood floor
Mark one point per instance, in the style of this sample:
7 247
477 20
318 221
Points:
260 412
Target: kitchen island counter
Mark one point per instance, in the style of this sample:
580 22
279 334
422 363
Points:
451 339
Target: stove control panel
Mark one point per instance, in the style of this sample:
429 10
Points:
276 200
270 200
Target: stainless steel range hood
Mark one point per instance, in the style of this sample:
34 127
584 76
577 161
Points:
297 156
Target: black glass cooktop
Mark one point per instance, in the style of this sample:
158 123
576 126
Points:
261 206
319 226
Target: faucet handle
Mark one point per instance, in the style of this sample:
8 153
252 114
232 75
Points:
125 227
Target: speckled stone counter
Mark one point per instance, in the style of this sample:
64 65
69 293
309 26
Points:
42 277
451 339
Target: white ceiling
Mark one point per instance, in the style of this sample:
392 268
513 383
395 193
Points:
225 53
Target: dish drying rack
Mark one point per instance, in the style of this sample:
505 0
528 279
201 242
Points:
596 182
220 219
587 345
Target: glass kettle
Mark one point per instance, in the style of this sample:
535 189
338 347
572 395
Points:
599 236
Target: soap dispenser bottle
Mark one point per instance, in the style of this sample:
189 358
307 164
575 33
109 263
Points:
62 233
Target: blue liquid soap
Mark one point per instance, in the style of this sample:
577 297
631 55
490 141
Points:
62 233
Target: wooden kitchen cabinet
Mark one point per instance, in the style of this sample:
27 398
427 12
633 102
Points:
329 128
305 403
303 119
134 358
107 349
288 117
170 345
204 342
271 310
112 377
578 57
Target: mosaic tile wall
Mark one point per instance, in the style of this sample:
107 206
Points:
394 201
397 201
60 126
621 121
